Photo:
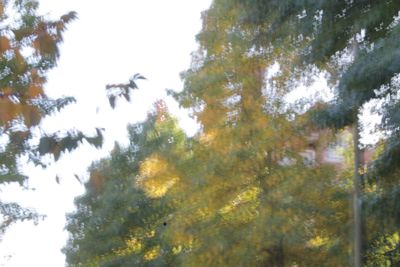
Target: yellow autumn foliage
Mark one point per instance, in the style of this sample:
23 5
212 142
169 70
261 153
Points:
152 253
317 241
156 177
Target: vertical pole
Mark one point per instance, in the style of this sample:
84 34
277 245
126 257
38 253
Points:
356 195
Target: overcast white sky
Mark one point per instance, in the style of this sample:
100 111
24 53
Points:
111 41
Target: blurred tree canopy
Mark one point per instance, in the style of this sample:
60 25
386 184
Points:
169 200
242 192
355 44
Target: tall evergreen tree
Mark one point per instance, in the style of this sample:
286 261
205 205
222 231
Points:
122 217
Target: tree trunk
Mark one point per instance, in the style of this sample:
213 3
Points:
356 196
276 256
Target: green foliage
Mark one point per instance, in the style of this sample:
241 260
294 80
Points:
325 34
120 221
11 212
118 90
55 145
385 251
